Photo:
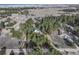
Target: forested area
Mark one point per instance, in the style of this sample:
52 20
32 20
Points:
39 41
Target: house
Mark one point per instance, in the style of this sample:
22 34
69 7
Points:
38 31
66 37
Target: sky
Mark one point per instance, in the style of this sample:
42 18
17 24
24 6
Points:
32 5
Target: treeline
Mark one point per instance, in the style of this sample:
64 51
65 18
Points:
70 10
19 8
